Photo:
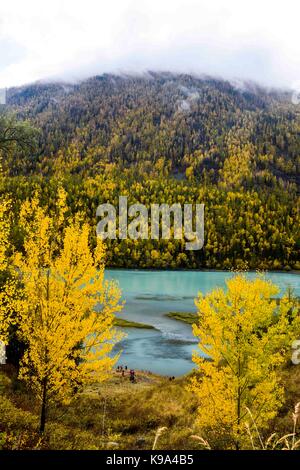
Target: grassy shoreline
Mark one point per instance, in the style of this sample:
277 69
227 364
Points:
121 322
186 317
134 413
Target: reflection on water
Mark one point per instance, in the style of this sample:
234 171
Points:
149 295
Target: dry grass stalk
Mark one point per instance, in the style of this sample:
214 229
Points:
159 432
296 416
202 441
288 440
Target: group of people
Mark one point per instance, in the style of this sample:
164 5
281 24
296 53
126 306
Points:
124 370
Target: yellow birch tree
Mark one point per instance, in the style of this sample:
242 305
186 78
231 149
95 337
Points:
66 306
247 336
8 280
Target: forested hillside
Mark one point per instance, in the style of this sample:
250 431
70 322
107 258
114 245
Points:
169 138
179 121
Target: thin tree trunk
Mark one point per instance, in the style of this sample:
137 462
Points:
44 407
44 382
237 444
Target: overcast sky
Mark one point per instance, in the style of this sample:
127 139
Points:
71 39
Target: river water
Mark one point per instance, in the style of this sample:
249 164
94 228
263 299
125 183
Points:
149 295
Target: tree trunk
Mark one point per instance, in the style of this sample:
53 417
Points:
237 444
44 406
239 397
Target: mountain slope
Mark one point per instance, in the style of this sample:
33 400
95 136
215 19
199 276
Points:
178 120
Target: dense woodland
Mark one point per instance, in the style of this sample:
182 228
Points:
166 138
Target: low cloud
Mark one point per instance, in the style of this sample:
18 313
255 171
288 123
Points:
71 39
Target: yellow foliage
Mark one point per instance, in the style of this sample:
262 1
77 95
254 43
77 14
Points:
246 335
7 275
66 307
237 166
189 172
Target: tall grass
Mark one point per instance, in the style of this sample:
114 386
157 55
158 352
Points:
273 442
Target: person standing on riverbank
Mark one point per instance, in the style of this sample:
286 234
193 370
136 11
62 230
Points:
132 376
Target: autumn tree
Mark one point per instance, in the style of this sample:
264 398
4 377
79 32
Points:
66 306
8 278
4 233
246 335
